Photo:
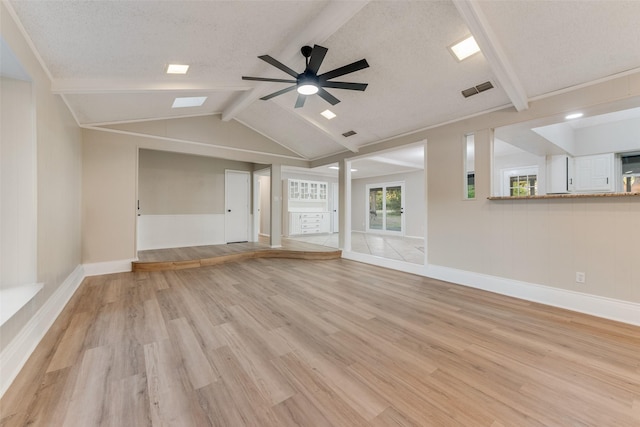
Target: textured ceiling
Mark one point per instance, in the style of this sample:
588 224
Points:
107 59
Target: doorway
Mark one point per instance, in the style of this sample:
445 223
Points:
237 190
385 204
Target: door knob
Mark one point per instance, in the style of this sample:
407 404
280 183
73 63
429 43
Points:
228 210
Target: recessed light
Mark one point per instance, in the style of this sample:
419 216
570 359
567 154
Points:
573 116
465 48
328 114
337 168
192 101
177 69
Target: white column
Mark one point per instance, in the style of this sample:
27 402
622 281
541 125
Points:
275 239
344 182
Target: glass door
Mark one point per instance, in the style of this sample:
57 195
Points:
385 208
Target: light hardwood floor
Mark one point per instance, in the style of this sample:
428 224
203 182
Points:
279 342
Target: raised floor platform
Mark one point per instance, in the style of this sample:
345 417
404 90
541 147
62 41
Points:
200 256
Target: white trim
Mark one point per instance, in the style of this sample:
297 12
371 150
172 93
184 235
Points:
383 230
185 141
472 15
108 267
393 264
18 351
608 308
14 298
594 305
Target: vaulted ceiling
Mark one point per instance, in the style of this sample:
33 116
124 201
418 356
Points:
108 60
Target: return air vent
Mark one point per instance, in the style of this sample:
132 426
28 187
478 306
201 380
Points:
350 133
477 89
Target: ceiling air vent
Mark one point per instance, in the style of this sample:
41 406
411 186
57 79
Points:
350 133
477 89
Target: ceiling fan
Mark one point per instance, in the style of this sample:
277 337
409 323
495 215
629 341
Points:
309 82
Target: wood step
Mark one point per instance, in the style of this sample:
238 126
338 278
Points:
240 256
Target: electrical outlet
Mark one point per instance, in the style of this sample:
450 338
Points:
580 277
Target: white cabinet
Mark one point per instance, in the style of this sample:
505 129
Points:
308 222
294 190
595 173
307 190
560 174
307 207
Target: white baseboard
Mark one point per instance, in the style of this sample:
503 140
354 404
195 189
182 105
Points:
393 264
18 351
595 305
608 308
98 268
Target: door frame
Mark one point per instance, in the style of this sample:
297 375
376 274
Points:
384 186
335 205
227 192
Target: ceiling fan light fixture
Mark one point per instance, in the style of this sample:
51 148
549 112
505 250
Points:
307 89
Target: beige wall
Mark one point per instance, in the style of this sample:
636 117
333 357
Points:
173 183
108 197
59 168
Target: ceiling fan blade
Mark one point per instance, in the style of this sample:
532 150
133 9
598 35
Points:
264 79
300 100
280 92
355 66
317 56
327 96
279 65
345 85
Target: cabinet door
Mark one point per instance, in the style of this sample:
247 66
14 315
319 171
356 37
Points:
294 189
294 224
595 173
313 191
322 190
304 190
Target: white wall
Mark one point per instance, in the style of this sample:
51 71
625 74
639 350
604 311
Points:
513 161
617 137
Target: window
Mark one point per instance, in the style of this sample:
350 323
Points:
631 173
520 182
523 185
469 166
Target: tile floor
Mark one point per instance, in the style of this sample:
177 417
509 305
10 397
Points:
408 249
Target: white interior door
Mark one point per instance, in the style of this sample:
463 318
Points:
237 191
335 222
